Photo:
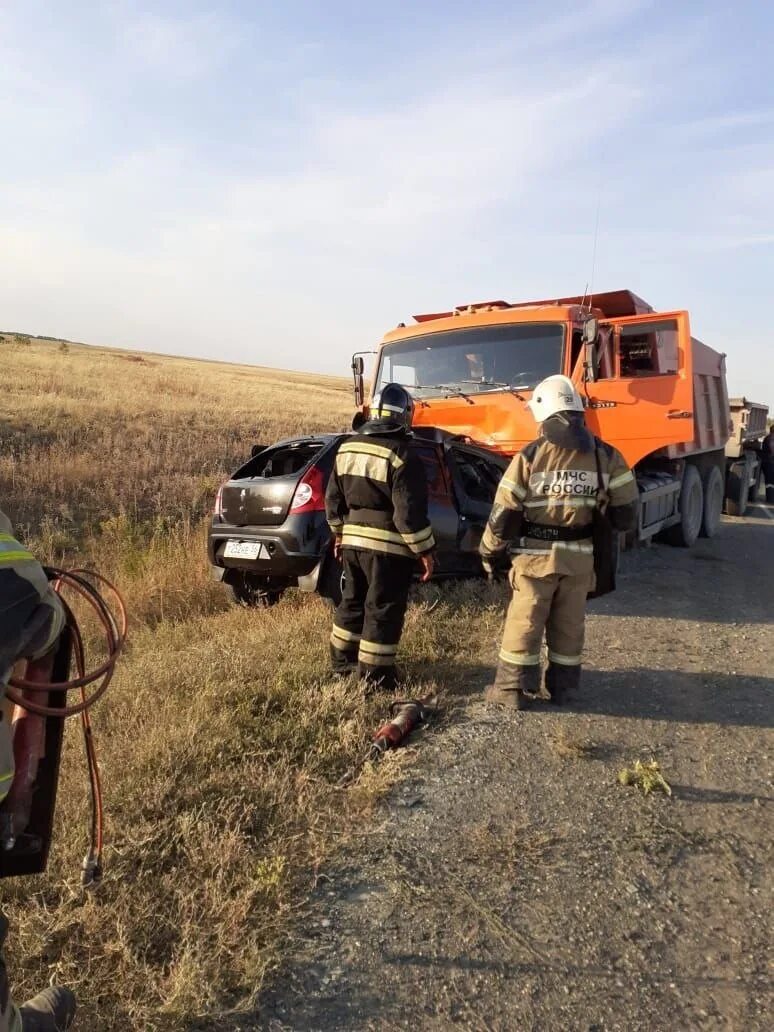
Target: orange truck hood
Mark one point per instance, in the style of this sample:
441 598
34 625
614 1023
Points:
498 420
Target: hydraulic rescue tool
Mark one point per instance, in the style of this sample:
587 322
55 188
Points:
36 707
406 714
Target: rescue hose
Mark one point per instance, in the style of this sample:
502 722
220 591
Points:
114 626
406 714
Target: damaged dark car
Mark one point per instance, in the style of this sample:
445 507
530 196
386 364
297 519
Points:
269 533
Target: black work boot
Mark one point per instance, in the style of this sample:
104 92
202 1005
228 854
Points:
514 686
52 1010
560 680
343 662
377 679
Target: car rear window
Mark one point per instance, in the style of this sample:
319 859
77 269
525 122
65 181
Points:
284 461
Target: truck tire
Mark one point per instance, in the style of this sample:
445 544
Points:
738 488
244 590
713 502
757 488
691 505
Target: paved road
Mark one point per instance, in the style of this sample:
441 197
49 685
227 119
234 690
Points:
512 883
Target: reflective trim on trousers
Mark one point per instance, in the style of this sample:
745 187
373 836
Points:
557 657
519 658
376 654
340 632
342 644
378 648
365 659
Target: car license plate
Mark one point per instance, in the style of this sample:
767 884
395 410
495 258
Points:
243 550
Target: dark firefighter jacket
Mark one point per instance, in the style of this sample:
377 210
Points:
377 494
543 506
23 588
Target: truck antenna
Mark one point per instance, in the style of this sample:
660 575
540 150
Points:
590 286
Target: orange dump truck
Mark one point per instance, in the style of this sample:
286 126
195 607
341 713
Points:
651 389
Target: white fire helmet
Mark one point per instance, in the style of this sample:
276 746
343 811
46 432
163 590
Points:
552 395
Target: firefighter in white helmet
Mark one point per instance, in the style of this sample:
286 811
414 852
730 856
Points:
31 620
542 515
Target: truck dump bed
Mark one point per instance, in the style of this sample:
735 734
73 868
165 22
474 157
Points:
749 419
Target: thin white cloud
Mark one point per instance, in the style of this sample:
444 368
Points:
728 122
182 47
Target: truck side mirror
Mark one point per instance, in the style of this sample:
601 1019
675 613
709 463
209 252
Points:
590 330
357 375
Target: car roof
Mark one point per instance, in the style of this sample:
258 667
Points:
421 434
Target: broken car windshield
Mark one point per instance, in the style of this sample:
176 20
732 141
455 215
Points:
474 361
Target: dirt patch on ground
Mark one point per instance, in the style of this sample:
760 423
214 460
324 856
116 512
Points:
512 883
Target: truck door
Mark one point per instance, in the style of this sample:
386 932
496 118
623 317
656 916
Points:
642 397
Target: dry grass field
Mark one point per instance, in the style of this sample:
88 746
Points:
221 739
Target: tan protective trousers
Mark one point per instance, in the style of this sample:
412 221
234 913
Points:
554 604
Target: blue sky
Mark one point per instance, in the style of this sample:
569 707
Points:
279 183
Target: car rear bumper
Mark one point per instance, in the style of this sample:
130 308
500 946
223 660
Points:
290 553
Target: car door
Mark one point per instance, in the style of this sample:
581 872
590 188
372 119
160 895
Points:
475 477
442 509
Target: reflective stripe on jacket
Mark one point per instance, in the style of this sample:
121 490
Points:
544 504
376 497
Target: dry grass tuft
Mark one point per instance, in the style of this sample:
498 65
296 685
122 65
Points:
646 776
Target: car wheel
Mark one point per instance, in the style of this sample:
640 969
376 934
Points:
252 592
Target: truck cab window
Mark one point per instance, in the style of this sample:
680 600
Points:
648 350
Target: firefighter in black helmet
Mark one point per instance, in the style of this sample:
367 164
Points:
376 504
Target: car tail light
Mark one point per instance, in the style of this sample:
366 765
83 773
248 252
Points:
218 510
310 493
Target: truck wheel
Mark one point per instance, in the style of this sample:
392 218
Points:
713 502
691 507
756 489
737 489
245 591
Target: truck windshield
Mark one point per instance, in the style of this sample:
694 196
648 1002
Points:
474 361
